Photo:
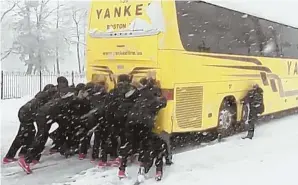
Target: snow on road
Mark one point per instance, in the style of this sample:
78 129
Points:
270 158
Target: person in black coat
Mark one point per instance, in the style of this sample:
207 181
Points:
56 110
27 116
254 108
117 108
78 106
94 120
139 124
58 136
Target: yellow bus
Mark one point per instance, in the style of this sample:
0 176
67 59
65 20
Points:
206 58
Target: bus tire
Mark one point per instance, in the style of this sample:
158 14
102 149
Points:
227 117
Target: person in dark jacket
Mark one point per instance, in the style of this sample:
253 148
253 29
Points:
56 110
94 121
254 108
59 135
27 116
78 106
117 108
139 125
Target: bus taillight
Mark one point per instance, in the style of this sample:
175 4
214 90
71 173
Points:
168 93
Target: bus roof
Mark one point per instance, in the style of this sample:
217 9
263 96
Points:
283 13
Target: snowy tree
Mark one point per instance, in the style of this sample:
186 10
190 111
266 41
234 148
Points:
35 37
6 10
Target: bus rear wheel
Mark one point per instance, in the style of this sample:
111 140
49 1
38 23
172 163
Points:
227 118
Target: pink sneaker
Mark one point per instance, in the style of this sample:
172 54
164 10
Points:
102 164
26 167
158 175
115 163
121 174
82 156
8 160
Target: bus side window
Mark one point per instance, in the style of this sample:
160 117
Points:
270 38
289 43
251 35
204 27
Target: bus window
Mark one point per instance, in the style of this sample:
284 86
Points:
271 33
205 27
289 42
253 36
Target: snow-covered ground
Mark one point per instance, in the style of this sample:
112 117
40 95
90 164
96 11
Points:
270 158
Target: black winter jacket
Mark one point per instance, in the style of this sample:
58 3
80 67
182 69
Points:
255 99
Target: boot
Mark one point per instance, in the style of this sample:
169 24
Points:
23 164
121 174
82 156
141 174
114 162
250 134
102 163
68 153
7 160
169 161
158 175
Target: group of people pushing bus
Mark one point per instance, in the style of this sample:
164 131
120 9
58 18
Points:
121 120
126 113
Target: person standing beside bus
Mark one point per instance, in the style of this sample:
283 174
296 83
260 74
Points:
254 108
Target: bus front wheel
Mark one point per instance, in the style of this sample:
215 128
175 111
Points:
227 117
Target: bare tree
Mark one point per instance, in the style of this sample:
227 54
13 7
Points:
78 15
8 10
57 48
6 53
61 30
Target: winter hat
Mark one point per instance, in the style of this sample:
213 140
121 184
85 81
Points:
62 80
80 86
124 78
47 87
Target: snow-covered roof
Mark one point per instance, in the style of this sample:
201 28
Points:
281 11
